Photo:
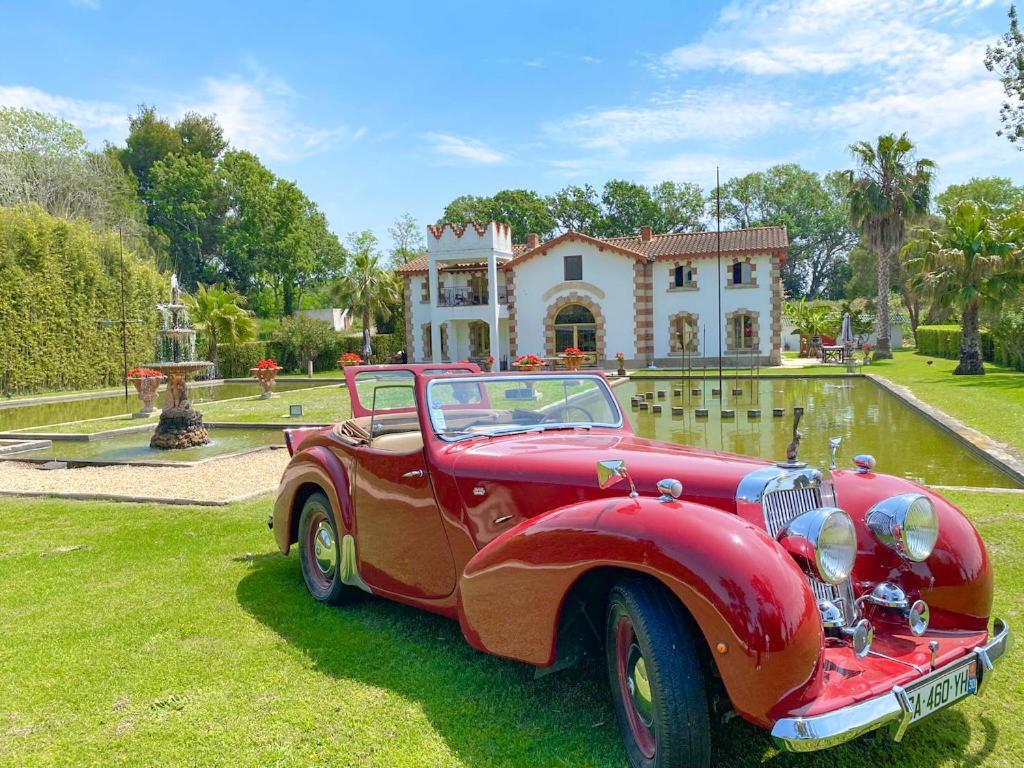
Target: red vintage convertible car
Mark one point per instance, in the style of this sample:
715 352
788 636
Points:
524 507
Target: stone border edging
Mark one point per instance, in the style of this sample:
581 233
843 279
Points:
999 454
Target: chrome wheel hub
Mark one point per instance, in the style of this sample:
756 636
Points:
324 551
640 686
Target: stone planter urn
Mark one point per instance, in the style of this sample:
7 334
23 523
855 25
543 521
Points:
572 362
528 363
266 375
147 385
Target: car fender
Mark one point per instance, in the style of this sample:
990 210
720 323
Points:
955 580
747 596
319 466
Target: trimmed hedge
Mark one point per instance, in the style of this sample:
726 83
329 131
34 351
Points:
58 280
1002 346
235 360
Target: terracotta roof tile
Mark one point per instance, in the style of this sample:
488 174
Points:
754 239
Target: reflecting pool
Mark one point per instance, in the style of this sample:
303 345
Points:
868 418
16 415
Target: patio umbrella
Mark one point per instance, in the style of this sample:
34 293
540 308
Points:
846 334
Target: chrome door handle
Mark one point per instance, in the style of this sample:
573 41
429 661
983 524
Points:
414 473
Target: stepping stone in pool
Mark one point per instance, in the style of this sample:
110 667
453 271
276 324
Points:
778 412
728 414
656 408
754 413
702 413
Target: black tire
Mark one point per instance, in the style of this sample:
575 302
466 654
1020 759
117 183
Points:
666 723
319 543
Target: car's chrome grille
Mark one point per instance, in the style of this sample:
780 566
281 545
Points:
779 508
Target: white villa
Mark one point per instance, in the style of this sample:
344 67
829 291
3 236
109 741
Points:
651 297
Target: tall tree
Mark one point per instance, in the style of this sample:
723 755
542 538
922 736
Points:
815 215
407 238
1007 59
201 135
888 189
627 207
577 209
971 263
45 160
998 192
219 314
680 207
186 202
150 139
367 287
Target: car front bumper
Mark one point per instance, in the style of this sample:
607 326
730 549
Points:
806 734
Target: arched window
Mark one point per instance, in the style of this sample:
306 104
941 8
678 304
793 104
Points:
575 327
743 331
684 333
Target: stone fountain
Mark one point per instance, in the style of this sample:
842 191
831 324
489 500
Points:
181 425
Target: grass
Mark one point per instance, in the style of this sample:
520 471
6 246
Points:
151 635
321 405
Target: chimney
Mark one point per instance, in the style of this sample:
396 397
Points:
646 234
532 241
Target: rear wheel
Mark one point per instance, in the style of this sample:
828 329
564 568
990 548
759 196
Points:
656 678
320 551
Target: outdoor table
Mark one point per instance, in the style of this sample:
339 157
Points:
833 354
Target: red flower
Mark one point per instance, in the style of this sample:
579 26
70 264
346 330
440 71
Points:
267 365
144 373
350 357
529 360
573 352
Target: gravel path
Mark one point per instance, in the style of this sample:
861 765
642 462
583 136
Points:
214 482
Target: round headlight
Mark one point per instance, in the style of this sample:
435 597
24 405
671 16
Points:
906 524
824 541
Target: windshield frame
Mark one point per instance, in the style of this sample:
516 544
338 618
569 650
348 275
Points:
534 377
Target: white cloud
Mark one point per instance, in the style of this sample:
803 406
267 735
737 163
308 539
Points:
784 37
465 149
257 113
104 119
704 115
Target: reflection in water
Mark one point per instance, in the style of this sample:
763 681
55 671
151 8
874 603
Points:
869 420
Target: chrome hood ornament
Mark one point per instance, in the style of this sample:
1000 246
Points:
792 461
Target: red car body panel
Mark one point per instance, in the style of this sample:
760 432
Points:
498 530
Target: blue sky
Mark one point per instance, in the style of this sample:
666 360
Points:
380 108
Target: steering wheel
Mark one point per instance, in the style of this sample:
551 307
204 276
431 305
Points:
549 417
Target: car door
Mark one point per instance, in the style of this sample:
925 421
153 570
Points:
401 542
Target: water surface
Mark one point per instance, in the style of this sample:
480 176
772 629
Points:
868 418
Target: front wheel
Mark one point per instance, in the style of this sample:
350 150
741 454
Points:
656 678
320 551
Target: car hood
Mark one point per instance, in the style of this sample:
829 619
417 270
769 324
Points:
569 458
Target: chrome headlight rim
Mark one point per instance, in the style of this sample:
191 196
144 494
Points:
887 520
803 537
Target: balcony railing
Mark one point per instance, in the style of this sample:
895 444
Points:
469 297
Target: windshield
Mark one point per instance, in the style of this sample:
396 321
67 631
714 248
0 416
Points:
485 405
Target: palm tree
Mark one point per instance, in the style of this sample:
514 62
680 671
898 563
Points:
366 287
887 190
218 313
973 262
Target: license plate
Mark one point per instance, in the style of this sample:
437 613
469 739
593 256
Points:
943 690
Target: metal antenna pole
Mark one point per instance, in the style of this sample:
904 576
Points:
718 243
124 320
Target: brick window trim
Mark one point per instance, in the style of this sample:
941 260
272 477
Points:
753 272
687 264
673 336
552 312
730 337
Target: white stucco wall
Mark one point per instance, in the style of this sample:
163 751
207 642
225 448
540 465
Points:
610 273
703 302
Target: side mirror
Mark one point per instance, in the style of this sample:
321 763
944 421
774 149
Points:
611 471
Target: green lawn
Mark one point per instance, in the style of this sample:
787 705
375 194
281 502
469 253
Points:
149 635
321 405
